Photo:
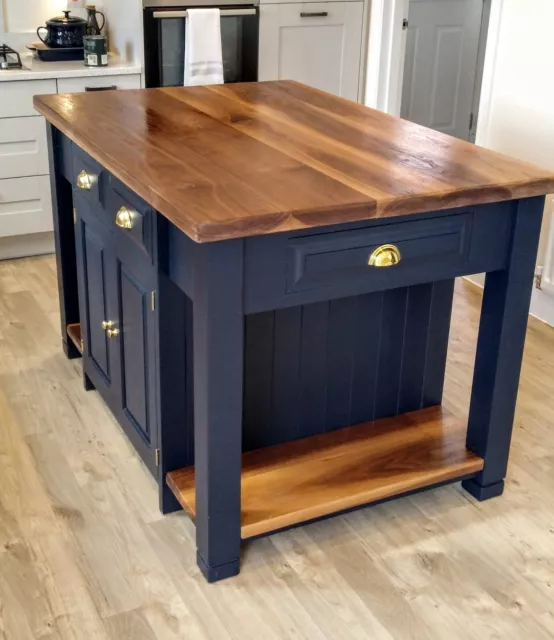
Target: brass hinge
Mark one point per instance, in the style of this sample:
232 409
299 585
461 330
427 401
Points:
538 281
82 345
153 300
157 457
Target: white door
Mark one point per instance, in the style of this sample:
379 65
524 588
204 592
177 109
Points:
318 43
441 64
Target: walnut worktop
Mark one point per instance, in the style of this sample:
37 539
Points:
240 160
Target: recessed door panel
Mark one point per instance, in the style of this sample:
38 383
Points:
440 67
96 277
134 352
136 366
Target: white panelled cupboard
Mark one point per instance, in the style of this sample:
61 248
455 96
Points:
25 205
318 43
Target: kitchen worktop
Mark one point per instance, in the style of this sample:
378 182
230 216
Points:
34 69
246 159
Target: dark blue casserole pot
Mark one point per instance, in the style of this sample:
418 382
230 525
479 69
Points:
64 31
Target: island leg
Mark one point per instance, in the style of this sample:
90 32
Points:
500 343
218 335
64 238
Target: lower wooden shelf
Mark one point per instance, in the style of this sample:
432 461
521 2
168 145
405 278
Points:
74 332
305 479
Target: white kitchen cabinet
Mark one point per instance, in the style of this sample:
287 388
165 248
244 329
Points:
25 206
318 43
16 98
23 147
76 85
25 198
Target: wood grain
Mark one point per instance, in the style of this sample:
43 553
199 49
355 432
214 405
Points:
74 333
313 477
248 159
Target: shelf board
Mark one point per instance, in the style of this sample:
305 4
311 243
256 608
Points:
74 332
290 483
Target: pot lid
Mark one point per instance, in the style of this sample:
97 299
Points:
66 19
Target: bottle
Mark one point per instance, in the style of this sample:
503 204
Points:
93 28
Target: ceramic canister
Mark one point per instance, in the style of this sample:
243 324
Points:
96 51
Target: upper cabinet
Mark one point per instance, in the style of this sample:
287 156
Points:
318 43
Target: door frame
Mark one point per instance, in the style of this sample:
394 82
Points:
386 52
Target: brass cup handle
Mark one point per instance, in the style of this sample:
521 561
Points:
124 218
86 180
108 326
387 255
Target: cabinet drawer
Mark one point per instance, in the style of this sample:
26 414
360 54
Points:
334 262
89 178
23 148
25 206
76 85
129 215
16 98
324 260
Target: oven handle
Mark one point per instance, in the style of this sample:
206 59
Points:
224 12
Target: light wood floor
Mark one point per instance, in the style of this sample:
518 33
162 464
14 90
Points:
85 553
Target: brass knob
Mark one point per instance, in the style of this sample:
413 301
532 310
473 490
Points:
112 333
124 218
86 180
387 255
107 324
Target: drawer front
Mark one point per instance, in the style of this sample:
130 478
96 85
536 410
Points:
334 262
129 215
23 148
16 98
121 209
324 260
77 85
25 206
89 178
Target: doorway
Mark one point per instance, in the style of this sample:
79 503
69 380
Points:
443 64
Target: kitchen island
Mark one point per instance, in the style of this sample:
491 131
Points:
259 279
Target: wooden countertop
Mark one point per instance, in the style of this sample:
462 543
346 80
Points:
240 160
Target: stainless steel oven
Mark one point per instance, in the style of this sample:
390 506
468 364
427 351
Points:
164 40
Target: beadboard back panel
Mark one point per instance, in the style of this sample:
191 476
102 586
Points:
317 367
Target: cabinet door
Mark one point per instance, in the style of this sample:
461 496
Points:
135 281
25 206
23 148
97 300
315 43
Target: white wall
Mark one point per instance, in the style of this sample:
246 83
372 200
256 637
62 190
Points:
385 55
517 115
124 28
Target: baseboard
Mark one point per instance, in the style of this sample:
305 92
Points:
33 244
542 303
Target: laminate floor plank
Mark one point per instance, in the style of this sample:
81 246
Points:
131 624
85 553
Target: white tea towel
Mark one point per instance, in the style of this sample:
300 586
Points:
203 58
